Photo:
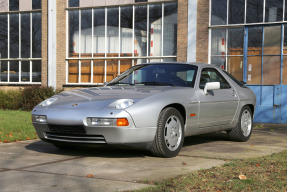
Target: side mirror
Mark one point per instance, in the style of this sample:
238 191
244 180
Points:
211 86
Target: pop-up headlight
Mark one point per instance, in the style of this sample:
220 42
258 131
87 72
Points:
48 102
124 103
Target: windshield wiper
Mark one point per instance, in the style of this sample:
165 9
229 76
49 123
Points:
155 83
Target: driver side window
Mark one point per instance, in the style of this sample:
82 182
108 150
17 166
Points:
212 75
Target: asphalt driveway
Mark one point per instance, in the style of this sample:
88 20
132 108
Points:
39 166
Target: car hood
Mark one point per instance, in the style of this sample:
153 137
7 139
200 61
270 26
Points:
100 97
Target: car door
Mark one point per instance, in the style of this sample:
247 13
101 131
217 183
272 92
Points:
217 107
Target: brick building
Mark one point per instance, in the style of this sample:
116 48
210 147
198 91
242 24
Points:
80 43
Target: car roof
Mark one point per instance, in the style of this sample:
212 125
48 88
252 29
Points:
183 63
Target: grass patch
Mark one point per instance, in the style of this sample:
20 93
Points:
16 126
262 174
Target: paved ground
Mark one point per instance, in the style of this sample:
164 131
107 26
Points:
38 166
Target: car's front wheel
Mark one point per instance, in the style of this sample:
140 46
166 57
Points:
170 133
243 129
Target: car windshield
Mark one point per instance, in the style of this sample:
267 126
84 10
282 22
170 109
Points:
158 75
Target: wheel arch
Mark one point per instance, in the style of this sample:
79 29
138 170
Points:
180 108
251 107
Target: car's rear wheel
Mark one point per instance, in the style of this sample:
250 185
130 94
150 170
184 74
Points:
243 129
170 134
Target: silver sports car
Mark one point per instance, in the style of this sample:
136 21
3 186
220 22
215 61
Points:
154 105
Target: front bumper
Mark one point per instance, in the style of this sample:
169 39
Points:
67 125
98 135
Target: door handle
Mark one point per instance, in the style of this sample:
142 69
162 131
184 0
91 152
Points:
234 93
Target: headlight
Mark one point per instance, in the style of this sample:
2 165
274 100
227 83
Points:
123 103
39 118
100 122
48 102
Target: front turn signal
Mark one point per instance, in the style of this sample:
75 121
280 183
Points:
122 122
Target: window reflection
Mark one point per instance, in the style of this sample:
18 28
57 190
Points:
235 41
170 29
113 30
254 70
14 71
36 71
14 35
140 43
218 42
4 36
271 70
235 67
36 35
126 31
25 35
272 40
86 33
25 71
13 5
273 10
3 71
73 28
36 4
254 13
218 12
155 27
218 61
99 31
254 41
236 11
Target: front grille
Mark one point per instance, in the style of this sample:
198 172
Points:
67 129
75 138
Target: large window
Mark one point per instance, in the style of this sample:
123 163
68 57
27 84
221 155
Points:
20 43
106 41
248 39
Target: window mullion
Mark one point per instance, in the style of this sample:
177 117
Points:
79 48
162 31
20 63
119 42
106 29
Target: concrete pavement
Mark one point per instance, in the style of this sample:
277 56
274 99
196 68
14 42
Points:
39 166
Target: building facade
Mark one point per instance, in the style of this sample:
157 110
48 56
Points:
80 43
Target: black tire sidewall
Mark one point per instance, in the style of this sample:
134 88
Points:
241 137
163 117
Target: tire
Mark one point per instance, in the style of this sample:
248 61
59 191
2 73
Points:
243 129
169 136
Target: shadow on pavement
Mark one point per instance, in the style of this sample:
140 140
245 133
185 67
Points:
116 151
205 138
106 151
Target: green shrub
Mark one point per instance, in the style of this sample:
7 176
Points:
33 95
25 99
10 99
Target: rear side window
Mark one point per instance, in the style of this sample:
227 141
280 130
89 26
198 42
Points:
212 75
235 80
